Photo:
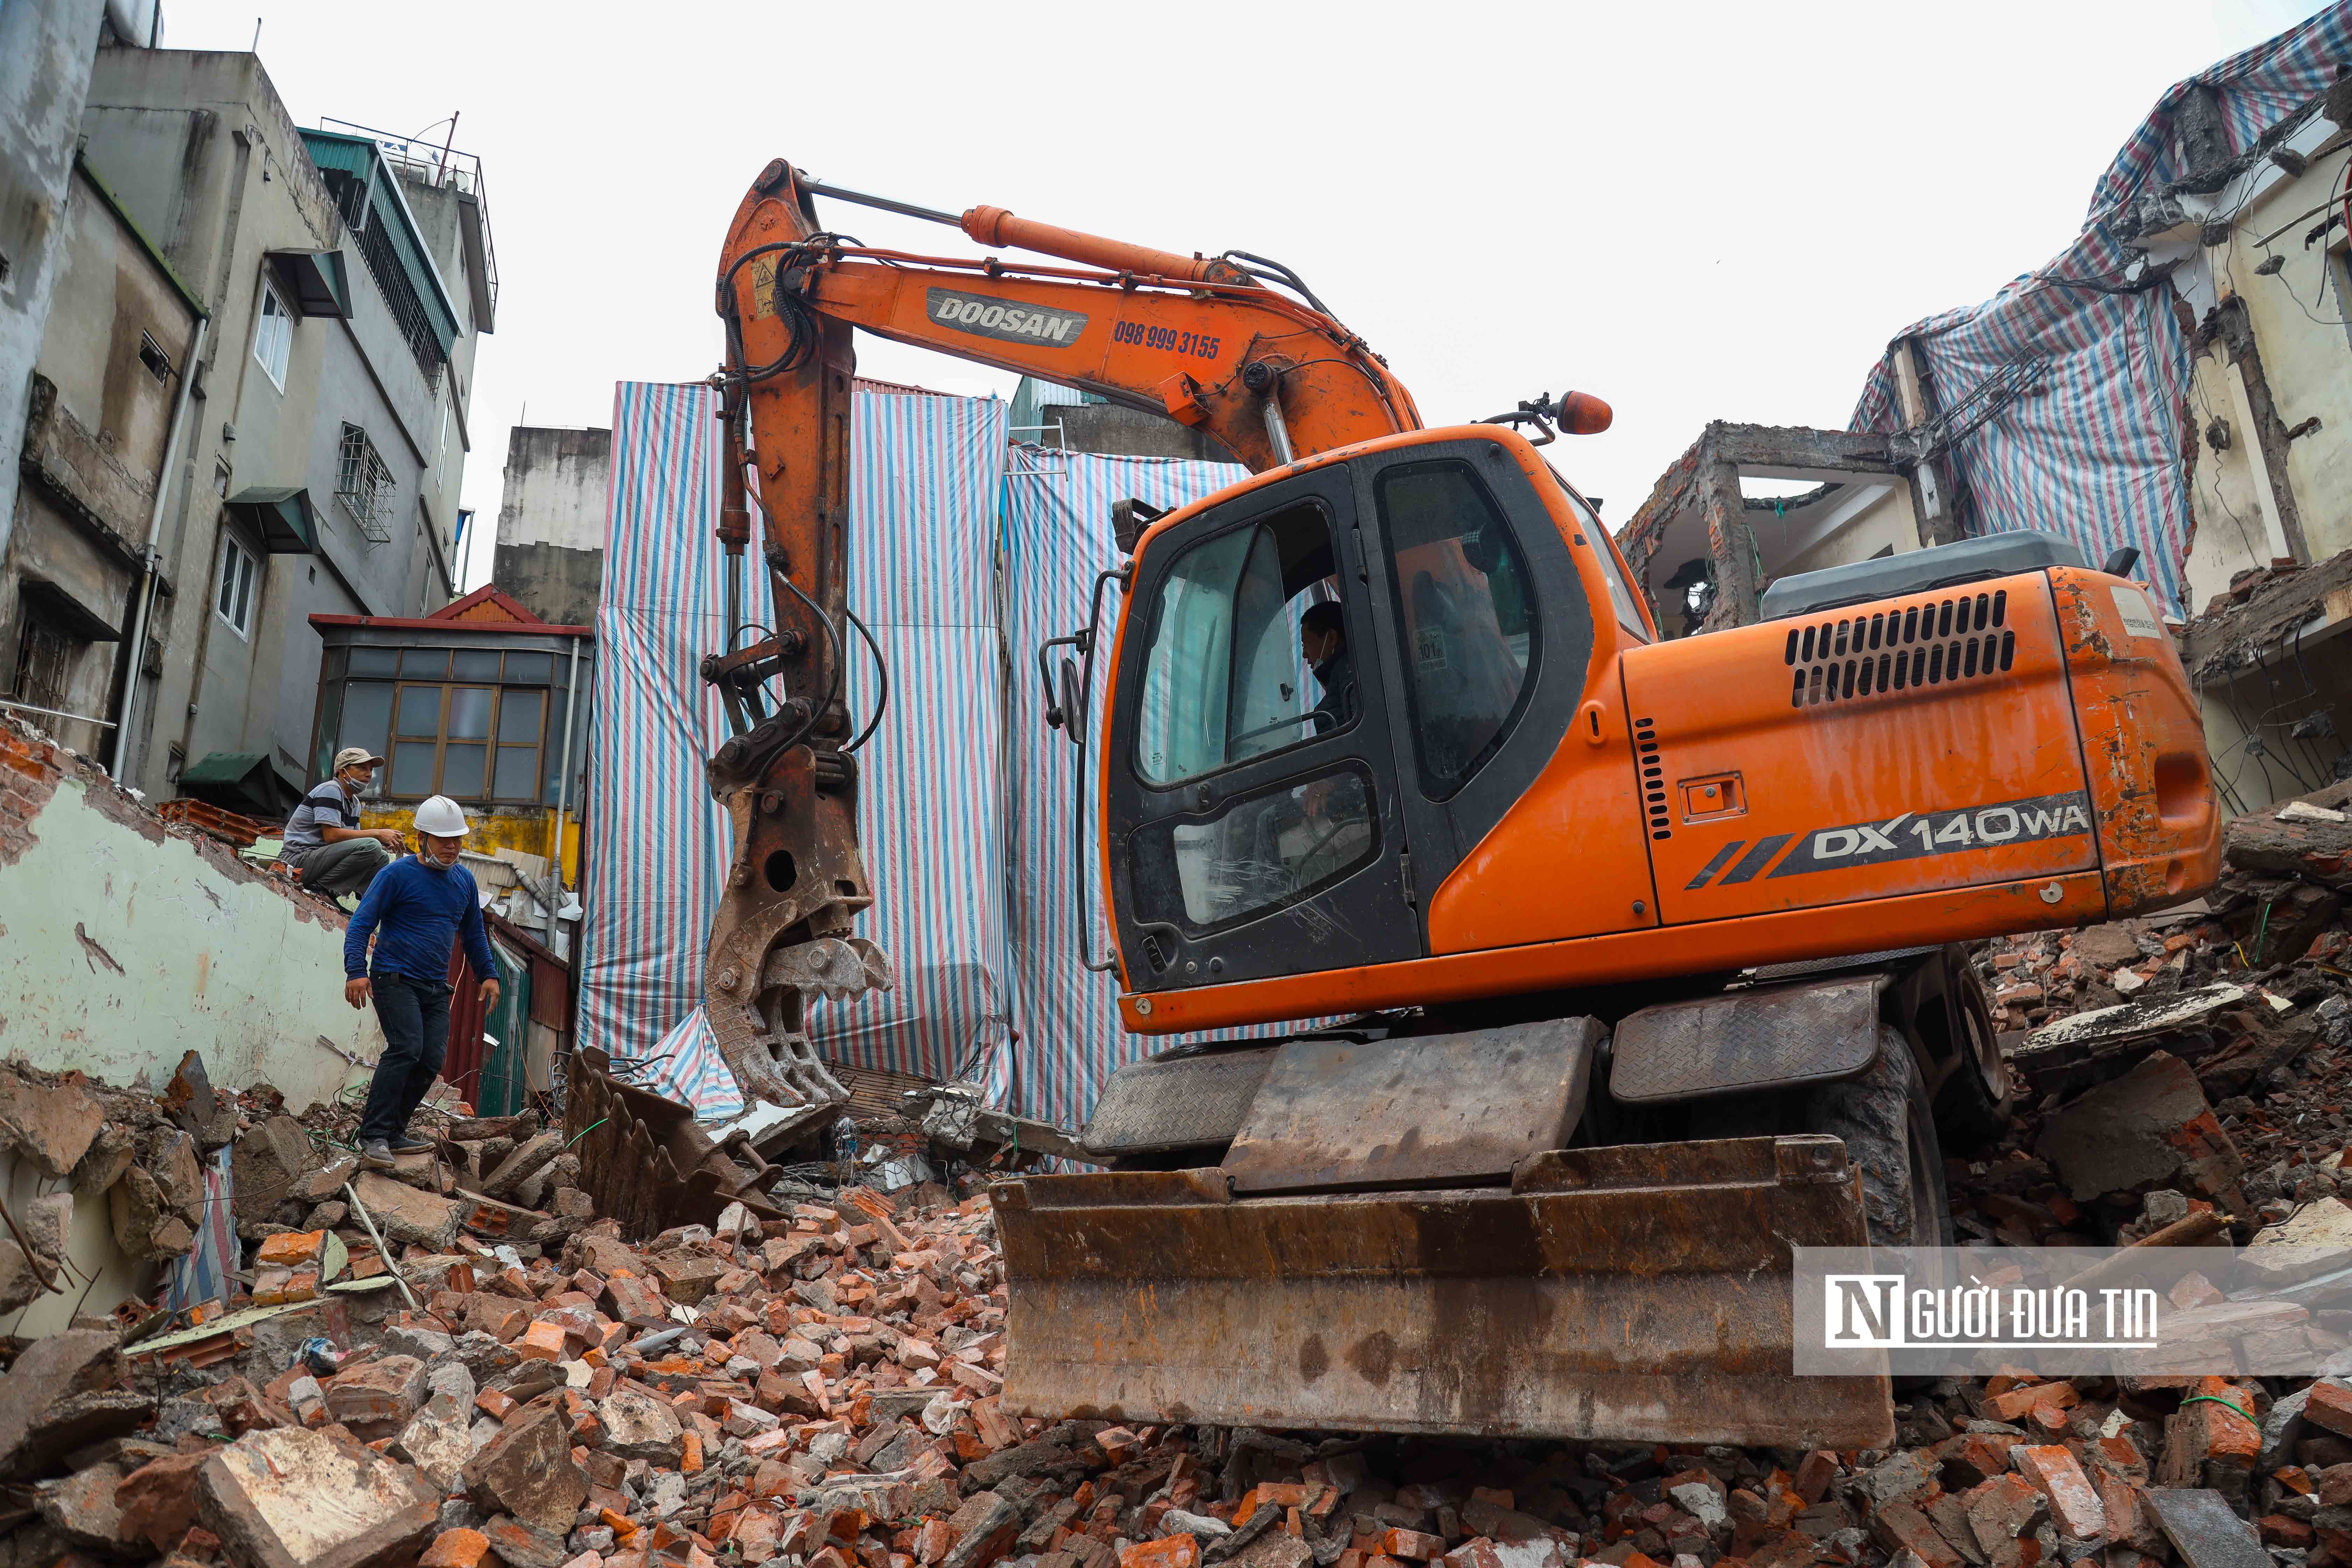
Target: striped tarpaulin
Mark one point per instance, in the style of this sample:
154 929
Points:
1057 535
922 498
2095 454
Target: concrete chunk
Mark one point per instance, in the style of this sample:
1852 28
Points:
406 1214
287 1498
267 1165
639 1427
2316 1239
519 1167
51 1368
82 1509
438 1439
2149 1127
52 1125
2205 1532
528 1470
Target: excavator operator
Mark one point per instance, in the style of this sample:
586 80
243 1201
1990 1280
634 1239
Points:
1323 643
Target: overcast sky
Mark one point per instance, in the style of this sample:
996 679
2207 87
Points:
1694 211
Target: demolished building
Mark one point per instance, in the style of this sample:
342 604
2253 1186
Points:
2171 384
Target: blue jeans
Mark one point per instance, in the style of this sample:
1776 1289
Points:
415 1019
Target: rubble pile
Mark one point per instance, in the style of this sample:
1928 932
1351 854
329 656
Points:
457 1363
822 1391
2189 1063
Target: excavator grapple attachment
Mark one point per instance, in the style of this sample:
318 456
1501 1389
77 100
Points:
1635 1292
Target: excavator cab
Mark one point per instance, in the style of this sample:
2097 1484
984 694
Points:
1268 818
1638 959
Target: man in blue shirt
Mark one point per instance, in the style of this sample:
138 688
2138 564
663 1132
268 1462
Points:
417 910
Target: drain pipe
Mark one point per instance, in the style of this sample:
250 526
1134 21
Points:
149 554
562 797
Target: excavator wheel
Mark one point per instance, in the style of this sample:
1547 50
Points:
1968 1113
1889 1129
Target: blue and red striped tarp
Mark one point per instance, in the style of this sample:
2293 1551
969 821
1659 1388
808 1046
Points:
922 507
967 555
2096 453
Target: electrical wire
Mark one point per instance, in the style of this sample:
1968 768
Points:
1280 273
789 308
840 658
882 668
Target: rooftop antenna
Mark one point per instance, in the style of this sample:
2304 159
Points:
257 38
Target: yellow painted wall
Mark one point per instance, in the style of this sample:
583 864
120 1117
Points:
526 828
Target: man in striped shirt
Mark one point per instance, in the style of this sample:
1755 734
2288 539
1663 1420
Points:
324 840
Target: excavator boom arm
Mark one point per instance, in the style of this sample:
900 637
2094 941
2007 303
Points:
1199 340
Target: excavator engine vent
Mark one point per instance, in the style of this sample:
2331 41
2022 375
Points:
1925 644
1653 770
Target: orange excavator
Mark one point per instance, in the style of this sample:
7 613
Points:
1645 953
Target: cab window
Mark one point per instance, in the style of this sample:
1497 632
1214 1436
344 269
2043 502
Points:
1465 616
1225 679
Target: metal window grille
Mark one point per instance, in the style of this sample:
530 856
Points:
44 657
364 486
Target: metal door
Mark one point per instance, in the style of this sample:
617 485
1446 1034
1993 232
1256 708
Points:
1254 819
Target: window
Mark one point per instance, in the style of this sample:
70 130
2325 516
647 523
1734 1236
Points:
469 723
233 600
273 334
1225 679
1621 594
1465 615
1256 854
44 663
364 486
152 355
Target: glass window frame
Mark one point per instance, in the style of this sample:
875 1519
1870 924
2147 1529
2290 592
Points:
1615 581
273 332
442 739
1158 840
1251 526
239 570
1417 721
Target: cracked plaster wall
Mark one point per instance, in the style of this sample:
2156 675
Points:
124 947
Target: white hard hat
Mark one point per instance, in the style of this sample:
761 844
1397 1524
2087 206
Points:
442 817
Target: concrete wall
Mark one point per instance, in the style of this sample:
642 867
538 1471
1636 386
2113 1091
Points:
2230 496
551 539
1117 430
201 151
45 58
2298 315
123 946
1883 523
94 445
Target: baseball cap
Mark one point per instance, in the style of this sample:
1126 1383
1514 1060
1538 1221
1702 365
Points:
351 757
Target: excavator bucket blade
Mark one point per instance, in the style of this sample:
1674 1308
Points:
1640 1292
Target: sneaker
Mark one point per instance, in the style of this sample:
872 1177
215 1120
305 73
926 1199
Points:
376 1154
405 1145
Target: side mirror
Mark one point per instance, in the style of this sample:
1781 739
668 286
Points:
1072 703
